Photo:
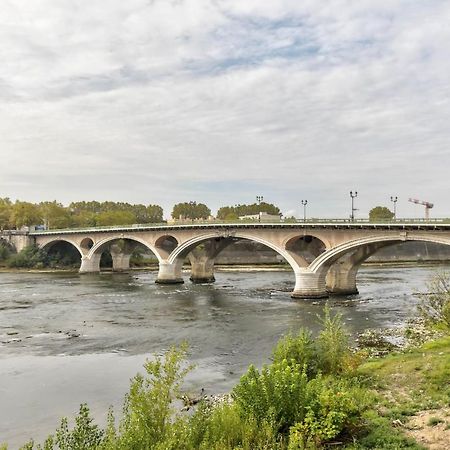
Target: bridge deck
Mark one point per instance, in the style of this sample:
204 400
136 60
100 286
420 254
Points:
435 225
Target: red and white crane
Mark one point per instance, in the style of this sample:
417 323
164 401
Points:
427 205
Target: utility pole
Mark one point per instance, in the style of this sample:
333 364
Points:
259 199
394 201
304 203
353 195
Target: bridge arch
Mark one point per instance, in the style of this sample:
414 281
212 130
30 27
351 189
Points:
186 247
305 248
51 243
330 256
100 245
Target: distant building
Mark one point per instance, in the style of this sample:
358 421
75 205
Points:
262 217
184 220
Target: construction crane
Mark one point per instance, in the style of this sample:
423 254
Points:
427 205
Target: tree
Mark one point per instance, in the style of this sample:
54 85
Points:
55 215
191 210
148 214
5 212
435 305
25 214
115 218
245 210
380 213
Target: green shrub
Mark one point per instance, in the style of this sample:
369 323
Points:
5 252
315 410
84 436
30 256
297 349
330 353
435 306
333 350
276 395
333 407
149 415
222 428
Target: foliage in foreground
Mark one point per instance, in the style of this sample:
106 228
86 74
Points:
312 394
435 306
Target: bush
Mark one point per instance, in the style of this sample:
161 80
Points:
30 256
333 349
435 306
223 428
330 353
148 419
314 410
5 252
297 349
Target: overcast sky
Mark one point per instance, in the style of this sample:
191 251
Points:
161 101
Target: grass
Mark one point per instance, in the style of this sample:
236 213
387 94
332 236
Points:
404 384
418 379
433 421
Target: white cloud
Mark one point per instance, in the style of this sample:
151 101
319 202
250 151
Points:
217 101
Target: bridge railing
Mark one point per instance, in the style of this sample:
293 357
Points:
402 221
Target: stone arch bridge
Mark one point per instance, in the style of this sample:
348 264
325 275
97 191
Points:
325 257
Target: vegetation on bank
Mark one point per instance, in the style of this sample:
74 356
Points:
316 393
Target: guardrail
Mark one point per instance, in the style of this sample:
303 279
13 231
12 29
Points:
333 221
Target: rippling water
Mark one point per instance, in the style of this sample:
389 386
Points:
69 338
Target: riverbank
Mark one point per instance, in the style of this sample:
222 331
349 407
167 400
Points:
412 396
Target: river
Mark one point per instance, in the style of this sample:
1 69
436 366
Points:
67 338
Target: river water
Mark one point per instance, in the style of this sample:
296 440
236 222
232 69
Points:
69 338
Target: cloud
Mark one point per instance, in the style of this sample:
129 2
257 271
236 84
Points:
219 101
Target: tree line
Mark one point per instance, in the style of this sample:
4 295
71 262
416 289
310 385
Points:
53 215
77 214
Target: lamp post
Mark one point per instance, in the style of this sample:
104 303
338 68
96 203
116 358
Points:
353 195
394 201
259 199
304 203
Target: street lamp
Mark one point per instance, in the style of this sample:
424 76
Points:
304 203
353 195
259 199
394 201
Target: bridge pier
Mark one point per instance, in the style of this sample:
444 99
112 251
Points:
170 273
121 261
341 279
202 270
90 265
309 285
